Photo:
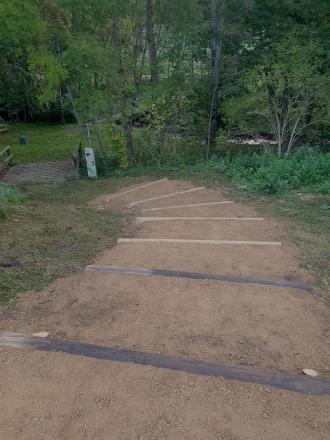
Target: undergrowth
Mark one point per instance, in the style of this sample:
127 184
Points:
54 233
8 195
306 170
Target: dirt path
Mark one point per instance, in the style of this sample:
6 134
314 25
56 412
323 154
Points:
41 172
58 396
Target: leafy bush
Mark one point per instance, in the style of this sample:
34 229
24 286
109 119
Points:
8 195
306 169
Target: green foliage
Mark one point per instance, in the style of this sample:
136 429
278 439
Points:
307 170
92 59
221 141
115 149
286 92
88 65
30 73
8 195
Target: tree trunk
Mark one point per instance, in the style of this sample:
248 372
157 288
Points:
88 135
126 117
151 42
216 22
62 118
129 139
74 110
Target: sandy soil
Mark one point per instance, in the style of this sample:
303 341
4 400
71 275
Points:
210 230
55 396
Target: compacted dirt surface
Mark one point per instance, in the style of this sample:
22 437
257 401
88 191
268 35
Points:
58 396
41 172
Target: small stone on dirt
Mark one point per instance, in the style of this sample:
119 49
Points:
310 372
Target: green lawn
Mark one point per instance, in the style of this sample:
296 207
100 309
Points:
45 141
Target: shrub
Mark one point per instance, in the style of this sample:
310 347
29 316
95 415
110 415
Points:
306 169
8 195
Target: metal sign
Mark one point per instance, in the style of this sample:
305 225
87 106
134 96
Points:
90 162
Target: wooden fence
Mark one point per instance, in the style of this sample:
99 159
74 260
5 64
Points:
3 128
6 159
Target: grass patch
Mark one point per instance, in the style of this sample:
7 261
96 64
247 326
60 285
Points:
54 233
307 219
8 196
45 141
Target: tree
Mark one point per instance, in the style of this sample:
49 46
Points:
58 22
29 70
289 90
178 70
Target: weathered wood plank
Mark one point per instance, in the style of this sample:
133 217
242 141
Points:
136 188
285 381
140 220
8 159
5 151
178 193
188 241
199 276
189 206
